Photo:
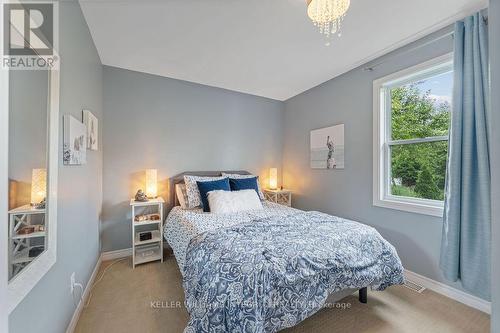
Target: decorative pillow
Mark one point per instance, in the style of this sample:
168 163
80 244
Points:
180 191
206 187
193 194
244 184
223 202
237 176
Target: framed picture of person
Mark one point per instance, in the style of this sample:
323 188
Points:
327 147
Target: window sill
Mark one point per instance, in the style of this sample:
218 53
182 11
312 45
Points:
424 207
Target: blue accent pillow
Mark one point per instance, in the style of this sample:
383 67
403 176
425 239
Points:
238 184
205 187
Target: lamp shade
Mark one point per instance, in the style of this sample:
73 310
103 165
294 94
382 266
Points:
38 185
151 183
273 178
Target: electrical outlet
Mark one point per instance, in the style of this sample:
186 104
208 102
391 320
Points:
72 281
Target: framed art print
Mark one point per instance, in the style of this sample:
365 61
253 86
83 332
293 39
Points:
75 141
92 125
327 147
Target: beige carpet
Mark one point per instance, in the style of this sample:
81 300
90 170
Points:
122 302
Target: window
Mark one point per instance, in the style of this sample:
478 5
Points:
411 123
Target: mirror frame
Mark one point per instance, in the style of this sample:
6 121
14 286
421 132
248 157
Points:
4 191
20 285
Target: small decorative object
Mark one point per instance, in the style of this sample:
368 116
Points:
92 124
26 230
40 205
29 229
75 142
147 217
140 196
140 218
327 148
145 235
273 178
151 183
38 188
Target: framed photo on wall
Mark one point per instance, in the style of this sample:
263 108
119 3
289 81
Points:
327 147
92 123
75 141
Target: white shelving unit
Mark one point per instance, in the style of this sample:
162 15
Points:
20 245
151 249
282 197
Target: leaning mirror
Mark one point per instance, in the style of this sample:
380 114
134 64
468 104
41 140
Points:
32 136
28 138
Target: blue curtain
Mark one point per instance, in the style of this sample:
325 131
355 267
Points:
466 238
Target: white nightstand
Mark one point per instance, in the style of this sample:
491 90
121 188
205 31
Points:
282 197
21 245
151 249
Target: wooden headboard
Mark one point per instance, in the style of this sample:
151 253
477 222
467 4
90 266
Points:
179 179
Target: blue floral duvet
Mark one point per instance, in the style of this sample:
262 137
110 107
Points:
272 272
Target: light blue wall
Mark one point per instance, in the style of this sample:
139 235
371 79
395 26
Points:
348 193
494 30
49 306
175 126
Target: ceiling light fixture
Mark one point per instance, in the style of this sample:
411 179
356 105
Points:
327 15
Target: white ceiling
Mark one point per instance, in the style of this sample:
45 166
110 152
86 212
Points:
262 47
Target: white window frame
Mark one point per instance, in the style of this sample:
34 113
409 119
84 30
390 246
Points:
382 137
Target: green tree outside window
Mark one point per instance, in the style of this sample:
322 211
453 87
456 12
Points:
418 170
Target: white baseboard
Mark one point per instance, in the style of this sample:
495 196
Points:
76 315
450 292
111 255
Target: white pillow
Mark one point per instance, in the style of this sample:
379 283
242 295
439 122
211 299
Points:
238 176
193 194
222 202
180 191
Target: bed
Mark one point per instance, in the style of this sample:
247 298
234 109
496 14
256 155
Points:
267 270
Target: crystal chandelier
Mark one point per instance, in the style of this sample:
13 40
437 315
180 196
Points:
327 15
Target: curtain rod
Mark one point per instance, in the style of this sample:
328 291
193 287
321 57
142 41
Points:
371 68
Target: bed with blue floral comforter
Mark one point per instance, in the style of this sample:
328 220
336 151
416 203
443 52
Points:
264 271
